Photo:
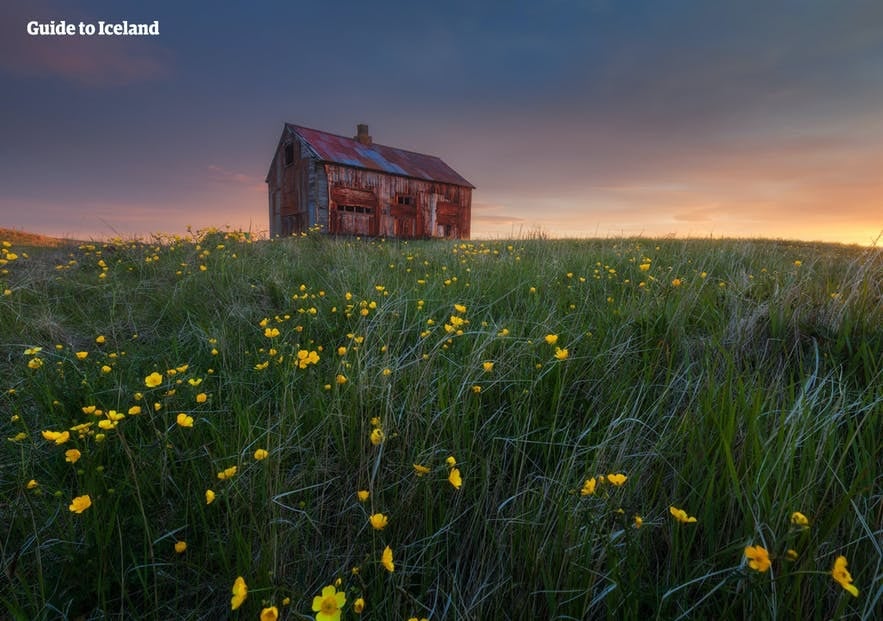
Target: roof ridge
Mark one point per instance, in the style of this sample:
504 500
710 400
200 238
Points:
373 144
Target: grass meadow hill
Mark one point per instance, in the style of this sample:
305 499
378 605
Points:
213 427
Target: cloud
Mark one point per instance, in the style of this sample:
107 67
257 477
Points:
90 61
219 174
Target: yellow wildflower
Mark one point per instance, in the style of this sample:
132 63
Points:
758 558
455 479
551 339
842 576
378 521
616 479
798 519
362 495
260 454
639 521
487 366
81 355
153 380
180 547
386 560
271 333
201 397
228 473
340 378
420 470
240 592
561 353
328 604
184 420
377 436
72 455
59 437
270 614
359 606
80 504
451 461
32 484
681 516
209 496
589 487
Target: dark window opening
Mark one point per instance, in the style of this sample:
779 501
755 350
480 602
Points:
289 154
404 199
355 209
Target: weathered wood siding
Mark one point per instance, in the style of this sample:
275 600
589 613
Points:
367 202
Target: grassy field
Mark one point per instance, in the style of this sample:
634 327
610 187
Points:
530 429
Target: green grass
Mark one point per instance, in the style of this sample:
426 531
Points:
738 380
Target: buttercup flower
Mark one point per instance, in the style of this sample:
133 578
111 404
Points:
681 516
328 604
589 487
377 436
639 521
32 484
184 420
209 496
80 504
386 559
561 353
758 558
551 339
616 479
798 519
228 473
72 455
451 461
362 495
487 366
454 478
842 576
240 592
359 606
153 380
59 437
260 454
270 614
378 521
180 547
420 470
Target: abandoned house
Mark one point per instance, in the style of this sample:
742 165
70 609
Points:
352 186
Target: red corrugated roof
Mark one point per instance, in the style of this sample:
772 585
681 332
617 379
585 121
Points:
350 152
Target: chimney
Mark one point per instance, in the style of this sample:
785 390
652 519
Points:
362 134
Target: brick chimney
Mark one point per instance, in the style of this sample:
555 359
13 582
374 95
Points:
362 134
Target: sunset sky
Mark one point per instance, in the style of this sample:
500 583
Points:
577 118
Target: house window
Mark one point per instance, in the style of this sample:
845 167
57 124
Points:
289 154
404 199
355 209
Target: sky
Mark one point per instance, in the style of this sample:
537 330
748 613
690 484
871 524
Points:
573 118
